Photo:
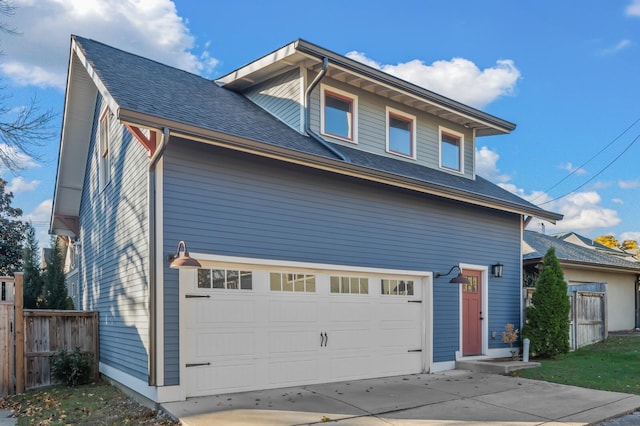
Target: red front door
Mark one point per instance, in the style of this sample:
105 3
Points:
472 314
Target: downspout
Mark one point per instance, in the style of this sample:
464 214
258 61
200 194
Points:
307 112
152 256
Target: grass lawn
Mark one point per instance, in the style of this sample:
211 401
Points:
612 365
94 404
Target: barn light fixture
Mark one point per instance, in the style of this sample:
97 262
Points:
460 279
182 261
496 270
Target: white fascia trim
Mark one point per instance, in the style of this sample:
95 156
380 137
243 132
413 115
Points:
159 241
307 266
129 381
302 98
438 367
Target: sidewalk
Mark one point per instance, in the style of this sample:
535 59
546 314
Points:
452 397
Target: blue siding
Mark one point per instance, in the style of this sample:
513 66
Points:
113 260
281 96
241 205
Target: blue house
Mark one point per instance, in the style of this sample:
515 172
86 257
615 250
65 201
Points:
328 205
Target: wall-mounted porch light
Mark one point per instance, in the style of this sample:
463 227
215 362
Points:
496 270
460 279
183 261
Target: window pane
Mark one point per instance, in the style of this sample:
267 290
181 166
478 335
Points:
386 287
246 280
275 279
232 280
335 284
311 283
338 116
450 152
344 287
287 285
400 136
218 278
364 285
299 283
355 285
204 278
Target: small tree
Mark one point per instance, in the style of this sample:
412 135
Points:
11 233
547 319
55 289
33 284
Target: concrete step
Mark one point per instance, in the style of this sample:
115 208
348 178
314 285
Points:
495 366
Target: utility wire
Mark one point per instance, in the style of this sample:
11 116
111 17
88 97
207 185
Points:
584 164
597 174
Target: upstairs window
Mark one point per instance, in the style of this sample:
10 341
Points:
401 133
338 112
451 149
104 165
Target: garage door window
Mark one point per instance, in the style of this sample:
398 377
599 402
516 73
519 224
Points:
225 279
353 285
397 287
299 283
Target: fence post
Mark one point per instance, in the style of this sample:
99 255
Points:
19 322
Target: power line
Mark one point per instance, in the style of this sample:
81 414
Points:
597 174
584 164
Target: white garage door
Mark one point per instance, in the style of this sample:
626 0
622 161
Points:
248 329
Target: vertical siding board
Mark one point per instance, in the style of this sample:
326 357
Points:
113 261
246 206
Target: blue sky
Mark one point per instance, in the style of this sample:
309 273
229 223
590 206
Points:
566 73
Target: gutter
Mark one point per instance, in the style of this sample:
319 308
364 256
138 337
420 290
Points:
307 112
153 257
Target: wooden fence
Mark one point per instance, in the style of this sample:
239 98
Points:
587 318
34 335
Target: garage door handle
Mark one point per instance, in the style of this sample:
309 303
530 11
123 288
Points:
197 296
324 338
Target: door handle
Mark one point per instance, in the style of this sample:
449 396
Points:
324 338
321 339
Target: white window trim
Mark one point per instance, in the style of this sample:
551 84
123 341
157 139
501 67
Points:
104 161
354 99
403 115
442 130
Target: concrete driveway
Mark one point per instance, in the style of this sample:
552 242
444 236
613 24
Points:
450 398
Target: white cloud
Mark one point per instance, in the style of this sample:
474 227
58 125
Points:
486 165
621 45
634 8
148 27
617 200
572 169
630 236
628 184
459 78
18 184
20 159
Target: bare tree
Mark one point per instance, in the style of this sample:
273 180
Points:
25 128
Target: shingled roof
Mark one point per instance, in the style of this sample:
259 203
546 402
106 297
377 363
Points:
147 93
537 244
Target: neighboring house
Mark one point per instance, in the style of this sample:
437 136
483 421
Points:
582 266
319 254
572 237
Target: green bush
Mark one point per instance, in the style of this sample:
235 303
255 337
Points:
71 368
547 319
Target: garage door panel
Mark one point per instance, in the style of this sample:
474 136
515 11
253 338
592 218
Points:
399 363
285 342
294 370
227 344
225 311
223 377
349 311
357 338
350 367
293 310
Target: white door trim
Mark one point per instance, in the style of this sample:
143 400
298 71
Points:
485 309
